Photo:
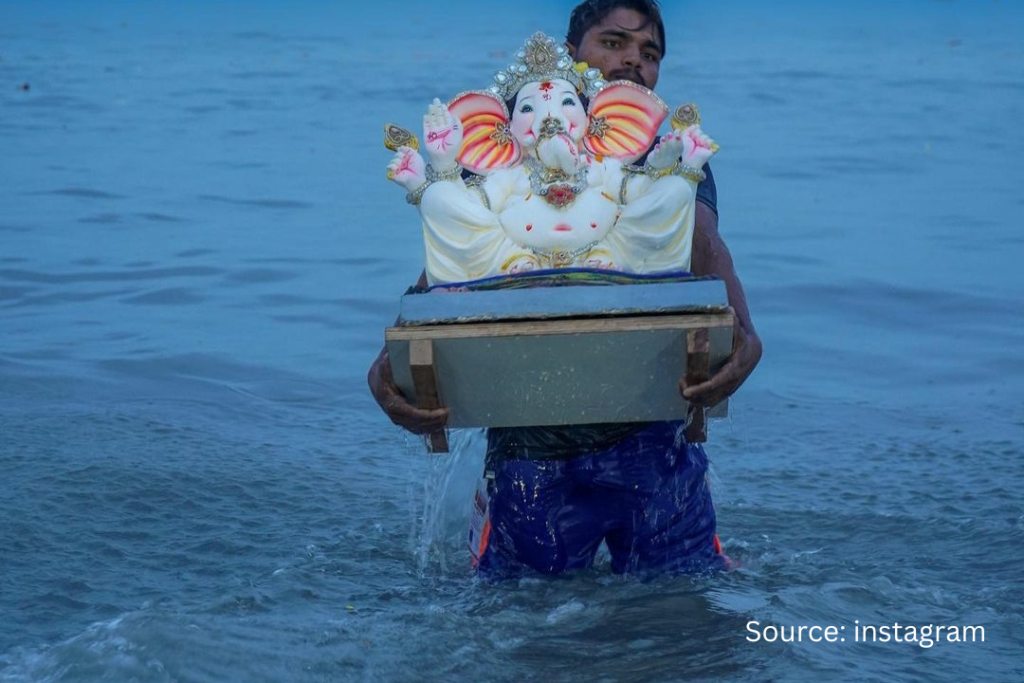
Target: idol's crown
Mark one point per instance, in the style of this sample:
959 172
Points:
544 59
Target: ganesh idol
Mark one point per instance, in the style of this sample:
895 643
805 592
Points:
551 150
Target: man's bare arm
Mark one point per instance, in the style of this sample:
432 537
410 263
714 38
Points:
710 256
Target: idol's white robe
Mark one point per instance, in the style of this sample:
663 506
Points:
501 226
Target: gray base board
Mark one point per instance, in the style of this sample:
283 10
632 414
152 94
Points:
696 296
560 372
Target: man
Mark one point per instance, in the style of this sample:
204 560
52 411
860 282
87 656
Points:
556 493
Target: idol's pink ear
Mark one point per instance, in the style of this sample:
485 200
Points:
487 143
624 120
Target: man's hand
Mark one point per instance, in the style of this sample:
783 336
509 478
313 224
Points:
746 352
396 406
712 257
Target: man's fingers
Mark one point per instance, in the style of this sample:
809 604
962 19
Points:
422 425
416 420
406 411
398 408
714 390
705 395
701 393
435 423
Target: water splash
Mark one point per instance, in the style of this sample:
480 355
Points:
440 504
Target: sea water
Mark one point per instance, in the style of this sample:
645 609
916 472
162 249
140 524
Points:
199 253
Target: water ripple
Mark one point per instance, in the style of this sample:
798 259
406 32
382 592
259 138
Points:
171 296
81 192
260 203
142 274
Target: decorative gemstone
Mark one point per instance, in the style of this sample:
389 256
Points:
598 127
561 259
551 127
501 134
591 74
560 195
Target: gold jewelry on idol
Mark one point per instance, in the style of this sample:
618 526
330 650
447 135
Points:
685 116
395 136
543 58
433 176
688 115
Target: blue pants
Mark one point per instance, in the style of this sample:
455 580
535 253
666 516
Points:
647 498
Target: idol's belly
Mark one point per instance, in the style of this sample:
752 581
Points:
533 222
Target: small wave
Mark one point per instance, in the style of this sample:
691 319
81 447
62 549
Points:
259 203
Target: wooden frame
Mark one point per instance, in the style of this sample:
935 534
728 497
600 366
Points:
561 371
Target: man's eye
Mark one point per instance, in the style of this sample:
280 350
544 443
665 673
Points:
525 109
611 43
568 102
651 57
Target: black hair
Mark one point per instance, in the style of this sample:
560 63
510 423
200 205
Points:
592 12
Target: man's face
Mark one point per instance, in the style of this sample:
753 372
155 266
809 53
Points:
624 46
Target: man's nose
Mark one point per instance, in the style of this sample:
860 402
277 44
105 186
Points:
631 56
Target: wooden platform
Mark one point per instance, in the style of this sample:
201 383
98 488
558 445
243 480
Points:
561 369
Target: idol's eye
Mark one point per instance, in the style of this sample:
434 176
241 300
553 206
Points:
568 102
525 109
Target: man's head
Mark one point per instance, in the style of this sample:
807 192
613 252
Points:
625 39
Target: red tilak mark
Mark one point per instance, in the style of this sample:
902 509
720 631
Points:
593 225
547 85
529 227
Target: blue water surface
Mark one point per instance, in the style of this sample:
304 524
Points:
199 253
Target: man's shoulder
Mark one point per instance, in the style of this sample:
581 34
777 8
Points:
707 191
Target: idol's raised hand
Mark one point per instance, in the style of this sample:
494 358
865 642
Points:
442 133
